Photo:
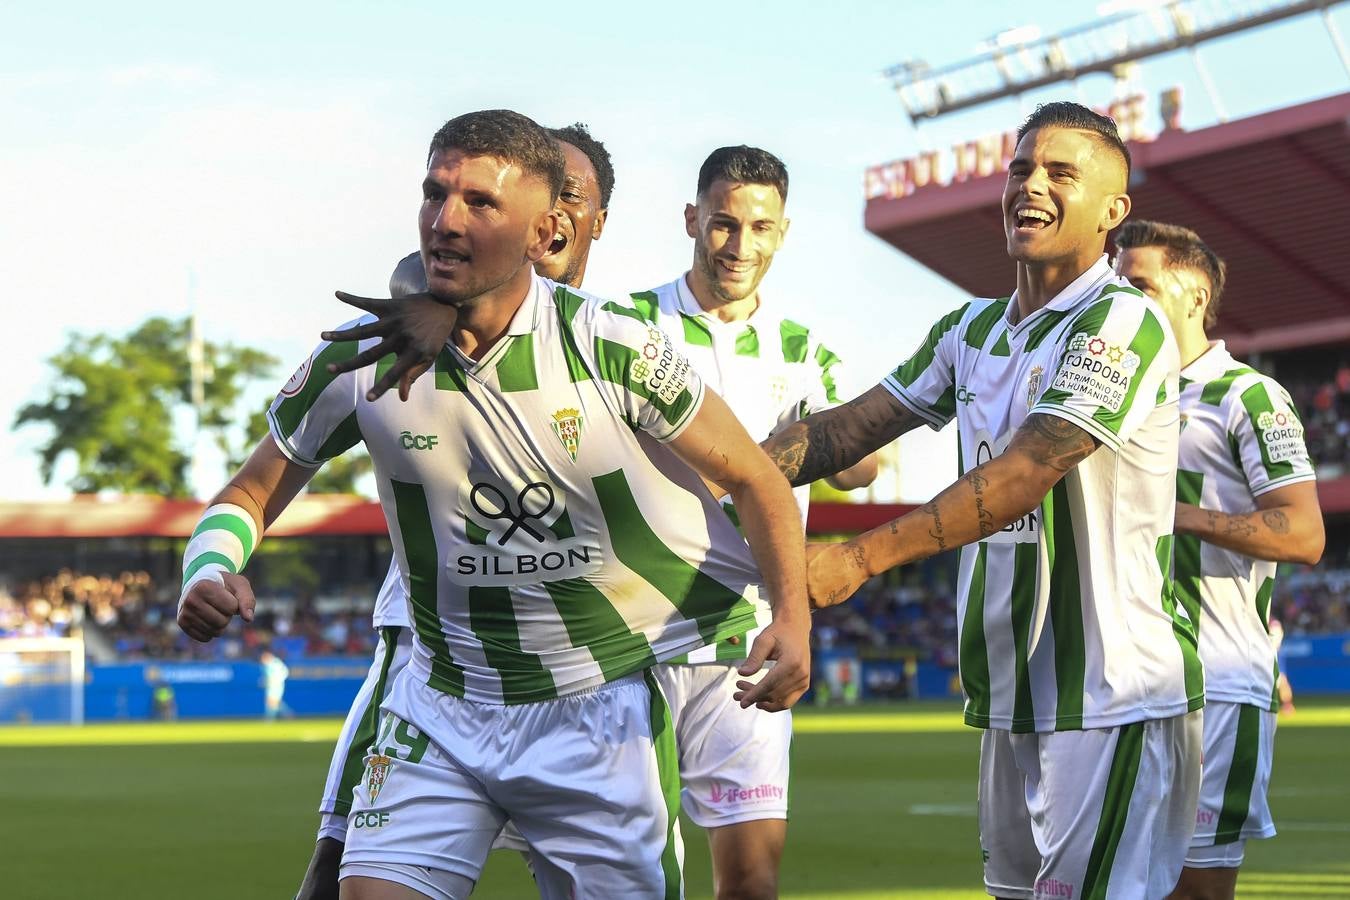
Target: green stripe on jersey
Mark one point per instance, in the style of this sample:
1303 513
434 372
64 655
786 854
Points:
516 369
973 658
668 776
1237 790
593 622
450 375
1213 392
747 342
424 570
827 360
1025 557
1120 782
492 616
1066 608
647 304
576 364
696 331
916 365
1256 400
1046 323
292 410
977 332
364 734
1186 570
1147 341
346 436
1001 347
796 341
712 605
1184 628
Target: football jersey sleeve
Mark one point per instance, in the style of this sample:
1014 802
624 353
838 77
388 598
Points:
655 387
313 418
824 388
926 382
1267 433
1116 365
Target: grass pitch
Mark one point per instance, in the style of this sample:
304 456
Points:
882 801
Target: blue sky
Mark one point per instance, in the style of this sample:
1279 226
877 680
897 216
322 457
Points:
271 153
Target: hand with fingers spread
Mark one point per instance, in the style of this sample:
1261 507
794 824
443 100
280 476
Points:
834 572
413 328
205 610
787 643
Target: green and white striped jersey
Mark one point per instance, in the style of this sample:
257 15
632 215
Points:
1067 618
550 541
1240 437
769 370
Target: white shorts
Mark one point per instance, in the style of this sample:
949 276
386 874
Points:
733 761
1239 753
358 732
1096 813
591 781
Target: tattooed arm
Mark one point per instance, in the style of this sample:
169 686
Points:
980 503
829 442
1285 527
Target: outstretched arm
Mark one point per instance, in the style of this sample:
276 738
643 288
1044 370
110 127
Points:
1285 527
980 503
837 439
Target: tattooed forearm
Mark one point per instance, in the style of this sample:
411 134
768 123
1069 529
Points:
1055 442
978 483
1276 521
829 442
935 531
788 451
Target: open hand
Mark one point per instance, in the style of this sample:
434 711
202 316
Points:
414 329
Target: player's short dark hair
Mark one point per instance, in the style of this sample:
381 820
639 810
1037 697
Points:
579 136
1067 114
508 136
743 165
1182 248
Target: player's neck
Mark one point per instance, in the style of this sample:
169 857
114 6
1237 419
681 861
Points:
1039 283
483 320
1192 343
722 310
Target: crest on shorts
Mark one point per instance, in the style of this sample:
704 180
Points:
567 426
377 773
1034 384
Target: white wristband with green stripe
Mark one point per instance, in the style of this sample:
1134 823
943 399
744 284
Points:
222 542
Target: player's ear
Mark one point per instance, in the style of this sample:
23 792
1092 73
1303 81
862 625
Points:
1201 302
783 230
541 235
1116 209
598 226
691 220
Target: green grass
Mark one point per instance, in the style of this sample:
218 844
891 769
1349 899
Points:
882 799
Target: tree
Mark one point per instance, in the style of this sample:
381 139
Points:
115 403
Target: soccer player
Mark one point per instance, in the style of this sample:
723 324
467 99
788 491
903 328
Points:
583 206
545 497
771 372
1246 500
1074 656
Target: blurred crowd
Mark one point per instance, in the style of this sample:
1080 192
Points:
136 617
1324 404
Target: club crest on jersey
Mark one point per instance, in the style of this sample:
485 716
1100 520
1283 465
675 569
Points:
1034 385
566 425
297 381
1281 435
377 773
1097 371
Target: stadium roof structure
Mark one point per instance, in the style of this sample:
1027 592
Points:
1270 193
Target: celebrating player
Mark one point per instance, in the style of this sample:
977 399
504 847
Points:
1246 500
555 548
1074 656
771 372
583 206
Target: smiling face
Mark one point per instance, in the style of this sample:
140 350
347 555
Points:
580 221
1065 191
483 221
737 229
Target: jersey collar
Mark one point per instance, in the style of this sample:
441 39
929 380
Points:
688 304
526 318
1209 365
1085 286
